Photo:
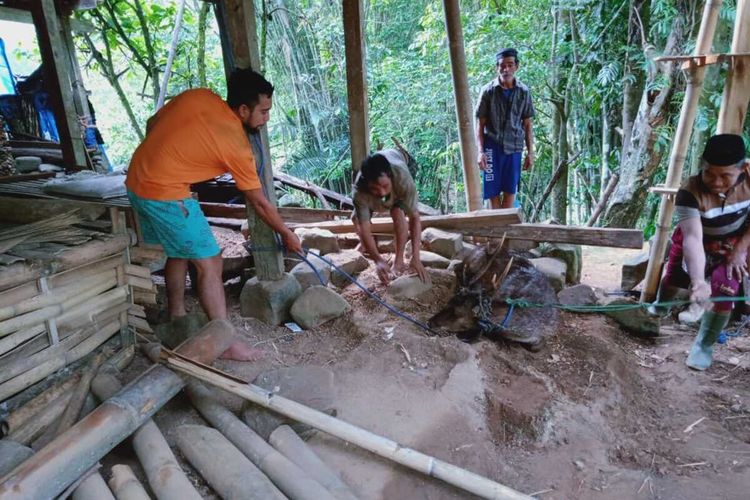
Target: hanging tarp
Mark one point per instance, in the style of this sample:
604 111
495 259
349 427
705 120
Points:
7 80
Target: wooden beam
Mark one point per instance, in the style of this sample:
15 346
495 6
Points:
24 16
737 86
464 115
235 211
452 222
52 48
688 62
575 235
356 81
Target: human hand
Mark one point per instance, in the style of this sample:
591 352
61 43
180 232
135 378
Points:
700 292
737 265
291 243
528 163
482 161
419 268
383 269
399 267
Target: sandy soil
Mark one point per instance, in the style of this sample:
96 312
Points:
597 414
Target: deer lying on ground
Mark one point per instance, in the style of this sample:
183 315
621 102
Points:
486 279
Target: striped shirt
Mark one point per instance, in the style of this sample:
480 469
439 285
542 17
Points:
722 216
504 115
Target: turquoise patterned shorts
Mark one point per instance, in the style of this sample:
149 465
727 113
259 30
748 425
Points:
179 226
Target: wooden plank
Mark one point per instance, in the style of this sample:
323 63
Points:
663 190
576 235
452 222
696 61
24 16
8 179
295 214
356 80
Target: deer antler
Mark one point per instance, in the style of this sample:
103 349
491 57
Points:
487 264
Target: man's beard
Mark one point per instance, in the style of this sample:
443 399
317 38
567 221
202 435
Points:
250 130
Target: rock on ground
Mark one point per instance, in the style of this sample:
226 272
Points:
317 305
572 255
351 262
442 242
578 295
636 320
407 287
311 386
269 301
633 271
307 276
553 269
433 260
322 239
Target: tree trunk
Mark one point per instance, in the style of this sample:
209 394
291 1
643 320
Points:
606 145
633 78
642 159
201 63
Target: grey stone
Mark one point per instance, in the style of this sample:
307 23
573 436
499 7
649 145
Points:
269 301
12 454
26 164
350 261
572 255
433 260
322 239
452 265
180 329
442 242
307 276
633 271
407 287
636 320
578 295
311 386
318 305
48 167
553 269
289 200
520 245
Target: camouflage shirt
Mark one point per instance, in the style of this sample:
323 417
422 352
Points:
403 195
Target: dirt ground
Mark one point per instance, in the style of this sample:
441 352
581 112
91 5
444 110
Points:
596 414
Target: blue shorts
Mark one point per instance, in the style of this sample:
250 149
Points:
179 226
503 170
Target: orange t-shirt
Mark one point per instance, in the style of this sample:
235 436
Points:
195 137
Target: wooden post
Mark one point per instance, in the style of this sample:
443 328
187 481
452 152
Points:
464 115
170 57
356 81
679 149
52 47
241 28
737 86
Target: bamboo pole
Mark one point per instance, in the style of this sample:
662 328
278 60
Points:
295 449
88 313
679 149
93 488
379 445
17 418
10 342
170 56
164 474
125 485
41 371
737 85
293 481
223 466
31 429
86 253
356 80
70 415
463 104
56 309
60 463
56 296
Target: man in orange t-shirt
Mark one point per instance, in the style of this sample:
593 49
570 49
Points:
197 136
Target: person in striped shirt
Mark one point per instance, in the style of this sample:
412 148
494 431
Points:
709 251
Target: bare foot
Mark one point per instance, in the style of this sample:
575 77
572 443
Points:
239 351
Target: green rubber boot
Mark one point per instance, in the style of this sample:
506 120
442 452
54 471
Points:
703 348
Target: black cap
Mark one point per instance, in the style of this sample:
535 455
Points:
724 150
507 52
